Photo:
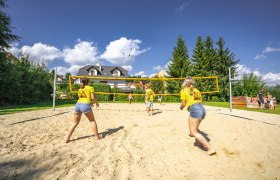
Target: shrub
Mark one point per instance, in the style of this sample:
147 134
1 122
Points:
215 99
101 87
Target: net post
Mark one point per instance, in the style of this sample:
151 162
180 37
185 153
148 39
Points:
54 88
230 91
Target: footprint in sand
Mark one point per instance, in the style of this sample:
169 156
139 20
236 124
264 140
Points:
259 164
230 153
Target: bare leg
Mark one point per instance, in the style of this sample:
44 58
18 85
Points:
77 118
191 135
148 110
194 124
91 119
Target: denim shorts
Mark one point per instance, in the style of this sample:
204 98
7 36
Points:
149 104
197 111
82 108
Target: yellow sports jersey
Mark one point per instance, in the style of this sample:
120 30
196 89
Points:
84 95
190 97
150 93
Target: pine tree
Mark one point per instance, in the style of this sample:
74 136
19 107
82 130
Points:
180 65
8 74
5 29
225 60
198 58
209 60
209 67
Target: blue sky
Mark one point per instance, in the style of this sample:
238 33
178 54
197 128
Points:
140 34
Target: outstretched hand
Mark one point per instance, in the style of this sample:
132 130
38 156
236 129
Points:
96 105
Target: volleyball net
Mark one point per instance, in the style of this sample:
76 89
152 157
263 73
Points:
163 86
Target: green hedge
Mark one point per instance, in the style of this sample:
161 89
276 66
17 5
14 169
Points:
138 98
102 87
170 99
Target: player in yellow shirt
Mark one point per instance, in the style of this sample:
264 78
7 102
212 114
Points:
192 100
83 105
149 98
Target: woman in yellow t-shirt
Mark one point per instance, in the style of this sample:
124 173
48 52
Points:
83 105
149 98
192 100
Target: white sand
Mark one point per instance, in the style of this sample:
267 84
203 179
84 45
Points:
137 146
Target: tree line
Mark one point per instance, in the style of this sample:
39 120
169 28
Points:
213 59
22 82
207 59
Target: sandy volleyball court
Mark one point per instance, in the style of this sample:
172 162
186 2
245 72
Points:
137 146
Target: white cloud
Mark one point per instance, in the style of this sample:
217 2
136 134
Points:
152 75
163 69
141 73
123 51
72 69
128 68
182 7
241 69
157 68
14 50
257 73
38 52
83 53
267 49
270 78
259 56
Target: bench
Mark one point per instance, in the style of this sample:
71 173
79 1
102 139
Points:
239 101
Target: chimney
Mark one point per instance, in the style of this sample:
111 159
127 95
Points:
98 66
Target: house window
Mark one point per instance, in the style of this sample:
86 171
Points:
116 73
92 72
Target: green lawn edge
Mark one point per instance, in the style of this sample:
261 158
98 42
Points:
67 103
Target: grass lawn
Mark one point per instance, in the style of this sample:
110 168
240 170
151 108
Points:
65 103
43 105
226 105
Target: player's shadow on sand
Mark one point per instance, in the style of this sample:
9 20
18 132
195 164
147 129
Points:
156 111
38 118
198 144
111 131
103 134
20 169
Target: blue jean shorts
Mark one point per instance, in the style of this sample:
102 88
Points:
149 104
82 108
197 111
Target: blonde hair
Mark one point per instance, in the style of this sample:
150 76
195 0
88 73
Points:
188 82
148 85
